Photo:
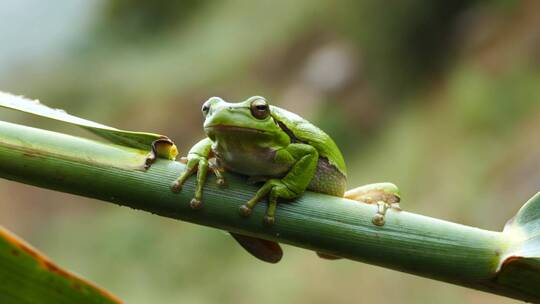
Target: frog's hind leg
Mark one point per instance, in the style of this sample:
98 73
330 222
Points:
373 193
385 195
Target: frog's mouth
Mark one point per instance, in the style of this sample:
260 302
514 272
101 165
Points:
232 129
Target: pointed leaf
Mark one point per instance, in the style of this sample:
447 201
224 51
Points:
164 147
27 276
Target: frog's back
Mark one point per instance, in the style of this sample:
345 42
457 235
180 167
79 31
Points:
330 176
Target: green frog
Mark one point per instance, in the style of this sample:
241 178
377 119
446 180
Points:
286 152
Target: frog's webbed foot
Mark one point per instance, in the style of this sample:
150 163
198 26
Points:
274 189
200 164
385 195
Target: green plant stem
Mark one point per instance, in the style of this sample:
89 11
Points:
408 242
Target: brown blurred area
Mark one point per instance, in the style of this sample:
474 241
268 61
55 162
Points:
440 97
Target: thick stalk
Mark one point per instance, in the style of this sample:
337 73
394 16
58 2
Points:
408 242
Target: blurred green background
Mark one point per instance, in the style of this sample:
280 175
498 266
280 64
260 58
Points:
439 97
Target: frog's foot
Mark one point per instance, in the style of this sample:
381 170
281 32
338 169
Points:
275 189
199 164
385 195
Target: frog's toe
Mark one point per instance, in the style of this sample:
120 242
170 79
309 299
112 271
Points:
221 182
378 219
195 204
245 211
269 220
176 187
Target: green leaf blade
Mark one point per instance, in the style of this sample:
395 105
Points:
27 276
138 140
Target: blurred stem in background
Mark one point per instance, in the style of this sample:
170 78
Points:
405 44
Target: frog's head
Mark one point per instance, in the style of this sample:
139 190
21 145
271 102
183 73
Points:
252 116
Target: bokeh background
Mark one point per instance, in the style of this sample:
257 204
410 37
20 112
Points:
439 97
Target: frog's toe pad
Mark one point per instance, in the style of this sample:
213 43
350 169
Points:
269 220
195 204
176 187
244 211
221 182
378 220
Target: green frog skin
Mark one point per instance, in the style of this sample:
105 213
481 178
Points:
270 144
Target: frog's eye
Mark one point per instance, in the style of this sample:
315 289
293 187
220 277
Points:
260 109
205 108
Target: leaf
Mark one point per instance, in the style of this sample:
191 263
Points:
161 144
520 266
27 276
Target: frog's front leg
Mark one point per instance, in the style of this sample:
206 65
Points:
385 195
198 161
292 185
